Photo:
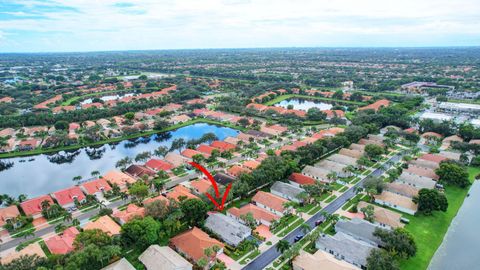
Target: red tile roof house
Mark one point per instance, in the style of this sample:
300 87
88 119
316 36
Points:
8 215
28 144
189 153
260 215
33 207
236 170
132 211
158 198
66 198
175 159
179 192
298 179
222 146
201 186
96 188
377 105
251 164
62 244
270 202
192 244
119 178
158 165
433 158
206 149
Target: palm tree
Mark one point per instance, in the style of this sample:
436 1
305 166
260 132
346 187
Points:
21 198
95 173
282 246
28 233
68 217
305 228
75 222
77 178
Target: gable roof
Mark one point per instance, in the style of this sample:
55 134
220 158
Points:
105 224
270 200
422 171
68 195
383 215
165 258
289 190
189 153
359 229
122 264
258 213
376 105
193 243
222 146
139 171
30 250
402 189
301 179
416 180
342 159
320 260
229 229
396 199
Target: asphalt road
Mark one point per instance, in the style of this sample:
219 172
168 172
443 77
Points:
50 229
271 254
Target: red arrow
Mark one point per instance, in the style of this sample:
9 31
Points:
215 187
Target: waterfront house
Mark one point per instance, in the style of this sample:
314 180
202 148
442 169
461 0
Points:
399 202
158 165
416 180
69 197
96 187
33 207
9 215
359 229
383 217
122 180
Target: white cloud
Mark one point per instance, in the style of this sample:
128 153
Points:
157 24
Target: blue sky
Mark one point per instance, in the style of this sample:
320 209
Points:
87 25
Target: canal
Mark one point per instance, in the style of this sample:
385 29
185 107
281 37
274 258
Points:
42 174
304 104
461 246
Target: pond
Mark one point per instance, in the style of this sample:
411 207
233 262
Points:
38 175
107 98
304 104
461 245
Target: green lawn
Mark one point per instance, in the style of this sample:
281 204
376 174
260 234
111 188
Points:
333 197
251 256
429 231
292 227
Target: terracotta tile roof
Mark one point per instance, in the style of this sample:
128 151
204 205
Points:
30 250
236 170
175 159
257 212
34 206
376 105
105 224
92 105
139 171
231 140
206 149
222 146
99 185
63 108
68 195
8 213
422 171
333 113
432 134
301 179
270 200
251 164
193 243
201 186
299 144
129 213
433 157
258 107
119 178
180 191
158 198
159 165
189 153
62 244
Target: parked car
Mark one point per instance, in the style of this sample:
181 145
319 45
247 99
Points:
318 222
298 237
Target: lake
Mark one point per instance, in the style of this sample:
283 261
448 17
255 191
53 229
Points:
461 245
304 104
42 176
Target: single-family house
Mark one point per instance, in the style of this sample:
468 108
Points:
338 168
156 257
227 228
353 153
425 163
399 202
319 260
179 192
433 158
140 171
272 203
121 179
356 146
132 211
104 223
416 180
96 188
33 249
62 244
200 186
383 217
359 229
402 189
260 215
317 173
236 170
175 159
287 191
299 179
222 146
9 215
193 243
342 159
122 264
421 171
345 247
69 197
158 165
33 207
